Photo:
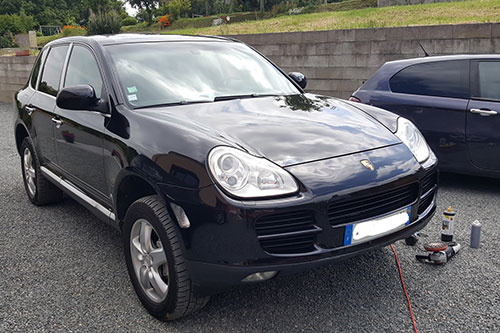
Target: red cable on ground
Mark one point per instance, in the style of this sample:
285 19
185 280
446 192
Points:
404 289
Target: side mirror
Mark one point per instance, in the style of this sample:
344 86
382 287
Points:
80 97
299 78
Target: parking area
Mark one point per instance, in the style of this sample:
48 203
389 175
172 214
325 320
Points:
63 269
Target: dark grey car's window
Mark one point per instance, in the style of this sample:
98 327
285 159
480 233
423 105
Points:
173 72
442 78
489 79
52 70
83 69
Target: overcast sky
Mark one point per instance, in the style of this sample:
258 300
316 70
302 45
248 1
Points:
131 11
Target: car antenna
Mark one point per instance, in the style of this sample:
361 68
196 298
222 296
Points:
418 41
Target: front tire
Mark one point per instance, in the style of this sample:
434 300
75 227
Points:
155 261
40 191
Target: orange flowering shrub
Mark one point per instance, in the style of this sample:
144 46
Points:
164 21
71 30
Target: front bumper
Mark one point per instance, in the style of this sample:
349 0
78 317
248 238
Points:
212 278
228 241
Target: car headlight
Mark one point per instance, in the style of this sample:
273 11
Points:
411 136
247 176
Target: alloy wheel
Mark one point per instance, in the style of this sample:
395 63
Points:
149 260
29 171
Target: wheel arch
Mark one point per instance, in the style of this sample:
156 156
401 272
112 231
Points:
130 186
20 133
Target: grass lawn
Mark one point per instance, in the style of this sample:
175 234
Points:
474 11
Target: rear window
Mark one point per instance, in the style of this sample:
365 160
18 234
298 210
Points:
442 78
489 80
52 70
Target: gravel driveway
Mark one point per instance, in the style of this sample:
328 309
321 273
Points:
62 269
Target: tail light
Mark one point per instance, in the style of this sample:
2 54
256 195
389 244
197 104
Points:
354 99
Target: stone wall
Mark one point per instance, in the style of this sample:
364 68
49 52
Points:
14 72
337 62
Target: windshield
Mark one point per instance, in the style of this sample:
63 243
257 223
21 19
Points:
182 72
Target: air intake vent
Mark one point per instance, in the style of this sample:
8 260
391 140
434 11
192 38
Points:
351 210
287 233
428 182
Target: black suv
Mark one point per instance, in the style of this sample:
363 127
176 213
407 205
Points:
217 168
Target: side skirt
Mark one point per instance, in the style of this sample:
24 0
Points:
96 208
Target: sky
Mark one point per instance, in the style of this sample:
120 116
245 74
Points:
131 11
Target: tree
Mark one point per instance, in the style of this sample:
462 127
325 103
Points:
147 5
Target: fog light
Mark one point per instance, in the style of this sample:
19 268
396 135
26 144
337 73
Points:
261 276
181 216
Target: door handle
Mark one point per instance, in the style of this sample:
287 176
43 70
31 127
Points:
58 122
484 112
29 110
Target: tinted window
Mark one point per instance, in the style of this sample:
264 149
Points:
443 78
36 69
162 73
83 69
489 80
52 70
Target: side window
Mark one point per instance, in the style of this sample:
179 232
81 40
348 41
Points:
36 69
489 80
83 69
52 70
441 78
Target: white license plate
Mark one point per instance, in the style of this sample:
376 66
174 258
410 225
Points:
366 230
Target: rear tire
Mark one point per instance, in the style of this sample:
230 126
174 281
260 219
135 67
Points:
155 261
40 191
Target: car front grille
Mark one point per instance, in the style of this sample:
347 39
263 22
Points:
287 233
297 232
351 210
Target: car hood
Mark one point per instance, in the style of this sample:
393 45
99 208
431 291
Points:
287 130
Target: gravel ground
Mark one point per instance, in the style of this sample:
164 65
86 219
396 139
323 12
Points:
61 269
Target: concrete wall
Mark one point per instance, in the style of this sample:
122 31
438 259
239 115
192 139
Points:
384 3
14 72
337 62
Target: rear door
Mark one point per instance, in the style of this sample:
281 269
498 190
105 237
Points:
483 116
43 102
78 134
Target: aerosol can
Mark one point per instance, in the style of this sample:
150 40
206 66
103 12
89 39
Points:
448 225
440 253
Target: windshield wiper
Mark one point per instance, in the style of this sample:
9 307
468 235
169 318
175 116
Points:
174 103
230 97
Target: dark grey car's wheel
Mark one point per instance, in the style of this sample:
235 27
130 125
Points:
155 261
40 191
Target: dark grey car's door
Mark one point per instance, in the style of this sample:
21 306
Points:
483 118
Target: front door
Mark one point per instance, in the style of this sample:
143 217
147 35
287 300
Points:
78 134
483 116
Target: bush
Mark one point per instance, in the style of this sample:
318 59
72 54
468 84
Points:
12 24
7 40
70 30
163 21
129 21
104 22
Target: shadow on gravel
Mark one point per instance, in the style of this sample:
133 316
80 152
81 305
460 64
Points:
467 183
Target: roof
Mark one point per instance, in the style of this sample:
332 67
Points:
139 38
406 62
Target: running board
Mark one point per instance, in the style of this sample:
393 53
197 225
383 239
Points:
99 210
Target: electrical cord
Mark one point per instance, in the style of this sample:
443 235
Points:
404 289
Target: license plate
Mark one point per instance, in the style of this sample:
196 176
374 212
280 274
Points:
366 230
